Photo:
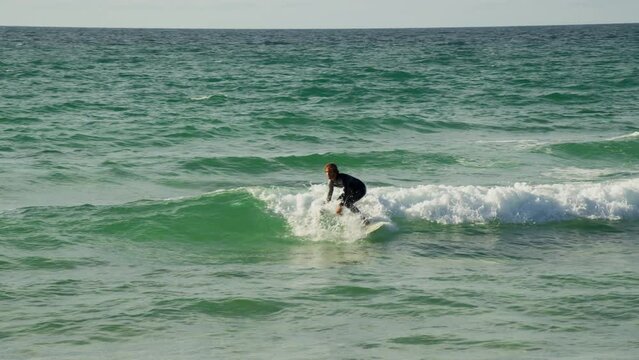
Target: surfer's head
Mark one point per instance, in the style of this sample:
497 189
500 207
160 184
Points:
331 171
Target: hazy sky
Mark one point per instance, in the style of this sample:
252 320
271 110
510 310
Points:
313 13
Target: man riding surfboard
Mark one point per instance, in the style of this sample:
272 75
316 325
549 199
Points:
354 189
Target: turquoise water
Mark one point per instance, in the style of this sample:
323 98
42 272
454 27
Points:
161 193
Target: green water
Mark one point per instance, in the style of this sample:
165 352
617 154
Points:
161 193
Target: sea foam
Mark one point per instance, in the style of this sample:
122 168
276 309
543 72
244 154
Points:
633 135
306 211
309 215
518 203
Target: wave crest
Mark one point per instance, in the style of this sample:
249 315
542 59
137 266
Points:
444 204
519 203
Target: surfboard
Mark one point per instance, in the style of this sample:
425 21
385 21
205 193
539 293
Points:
372 227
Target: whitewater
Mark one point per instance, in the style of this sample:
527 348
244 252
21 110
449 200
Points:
521 203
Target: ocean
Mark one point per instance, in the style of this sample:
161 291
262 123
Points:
162 193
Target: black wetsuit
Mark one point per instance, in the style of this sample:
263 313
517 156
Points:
354 189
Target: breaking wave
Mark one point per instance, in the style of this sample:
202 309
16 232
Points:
521 203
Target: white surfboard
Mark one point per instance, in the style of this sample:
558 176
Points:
372 227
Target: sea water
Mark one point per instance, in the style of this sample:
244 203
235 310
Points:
162 193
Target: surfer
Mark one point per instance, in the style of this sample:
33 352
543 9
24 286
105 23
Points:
354 189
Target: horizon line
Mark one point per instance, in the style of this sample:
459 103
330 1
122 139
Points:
312 29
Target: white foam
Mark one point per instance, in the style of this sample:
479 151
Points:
199 98
519 203
444 204
522 144
206 97
311 217
627 136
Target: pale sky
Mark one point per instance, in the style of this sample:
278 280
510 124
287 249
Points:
286 14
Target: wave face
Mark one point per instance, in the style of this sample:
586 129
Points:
224 218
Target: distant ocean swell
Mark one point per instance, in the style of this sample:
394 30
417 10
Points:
386 159
621 148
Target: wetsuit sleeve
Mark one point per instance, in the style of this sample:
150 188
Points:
330 191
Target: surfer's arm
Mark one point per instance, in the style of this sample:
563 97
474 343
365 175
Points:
340 205
330 191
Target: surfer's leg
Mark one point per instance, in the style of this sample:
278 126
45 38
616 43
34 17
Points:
349 202
355 210
355 197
